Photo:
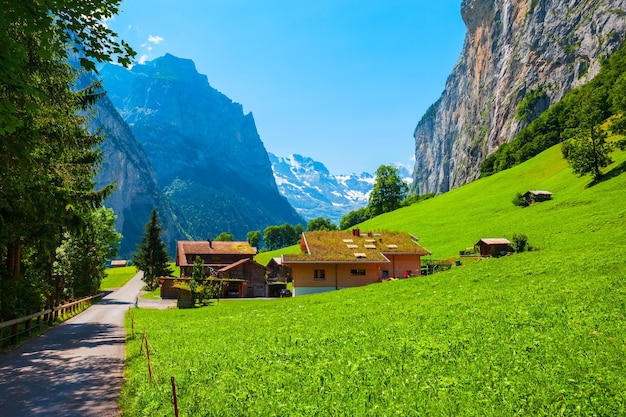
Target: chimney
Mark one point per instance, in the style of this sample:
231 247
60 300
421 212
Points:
210 242
356 232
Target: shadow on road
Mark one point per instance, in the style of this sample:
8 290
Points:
74 369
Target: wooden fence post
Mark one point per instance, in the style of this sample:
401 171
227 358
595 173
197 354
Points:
14 334
148 356
132 321
143 338
174 399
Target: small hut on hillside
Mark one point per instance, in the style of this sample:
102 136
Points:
493 246
537 196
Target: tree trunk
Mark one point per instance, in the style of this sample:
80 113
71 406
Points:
14 252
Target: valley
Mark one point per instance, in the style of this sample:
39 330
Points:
535 333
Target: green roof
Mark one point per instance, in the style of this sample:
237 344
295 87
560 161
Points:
346 246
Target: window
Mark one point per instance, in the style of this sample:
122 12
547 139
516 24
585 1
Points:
357 272
319 274
385 273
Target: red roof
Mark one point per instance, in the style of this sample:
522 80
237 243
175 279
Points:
240 262
204 247
494 241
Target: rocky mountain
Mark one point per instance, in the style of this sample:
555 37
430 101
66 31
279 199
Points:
127 165
314 192
207 155
516 53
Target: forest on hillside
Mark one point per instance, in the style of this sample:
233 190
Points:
55 235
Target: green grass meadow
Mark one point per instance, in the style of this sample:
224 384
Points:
117 277
536 333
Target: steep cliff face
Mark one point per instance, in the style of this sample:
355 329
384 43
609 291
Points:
207 154
516 52
127 165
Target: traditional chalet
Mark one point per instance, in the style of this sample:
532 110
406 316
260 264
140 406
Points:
537 196
278 278
232 262
494 247
245 276
339 259
278 270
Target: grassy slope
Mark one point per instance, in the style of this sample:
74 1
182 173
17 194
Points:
117 277
265 257
538 333
458 219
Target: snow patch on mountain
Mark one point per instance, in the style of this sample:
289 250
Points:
314 192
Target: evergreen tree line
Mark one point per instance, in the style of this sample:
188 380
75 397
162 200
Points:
575 121
55 236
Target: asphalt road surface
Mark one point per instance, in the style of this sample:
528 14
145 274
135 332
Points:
75 368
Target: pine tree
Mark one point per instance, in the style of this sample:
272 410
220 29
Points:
152 258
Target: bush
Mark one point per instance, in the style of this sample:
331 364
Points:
519 200
519 242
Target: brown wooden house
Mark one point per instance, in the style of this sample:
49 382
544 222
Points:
279 271
252 274
279 276
231 262
493 246
216 255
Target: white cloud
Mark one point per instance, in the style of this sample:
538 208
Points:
142 59
155 39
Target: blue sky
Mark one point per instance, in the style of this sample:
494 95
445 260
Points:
342 81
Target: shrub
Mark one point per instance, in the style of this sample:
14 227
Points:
519 242
519 200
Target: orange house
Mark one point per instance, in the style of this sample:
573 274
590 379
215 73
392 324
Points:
339 259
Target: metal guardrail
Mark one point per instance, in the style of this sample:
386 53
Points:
45 316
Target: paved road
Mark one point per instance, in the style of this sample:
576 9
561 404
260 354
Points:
74 369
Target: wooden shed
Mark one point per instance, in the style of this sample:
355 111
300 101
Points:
251 273
493 246
278 270
537 196
167 287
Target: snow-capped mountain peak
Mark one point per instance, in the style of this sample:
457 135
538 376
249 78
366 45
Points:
314 192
